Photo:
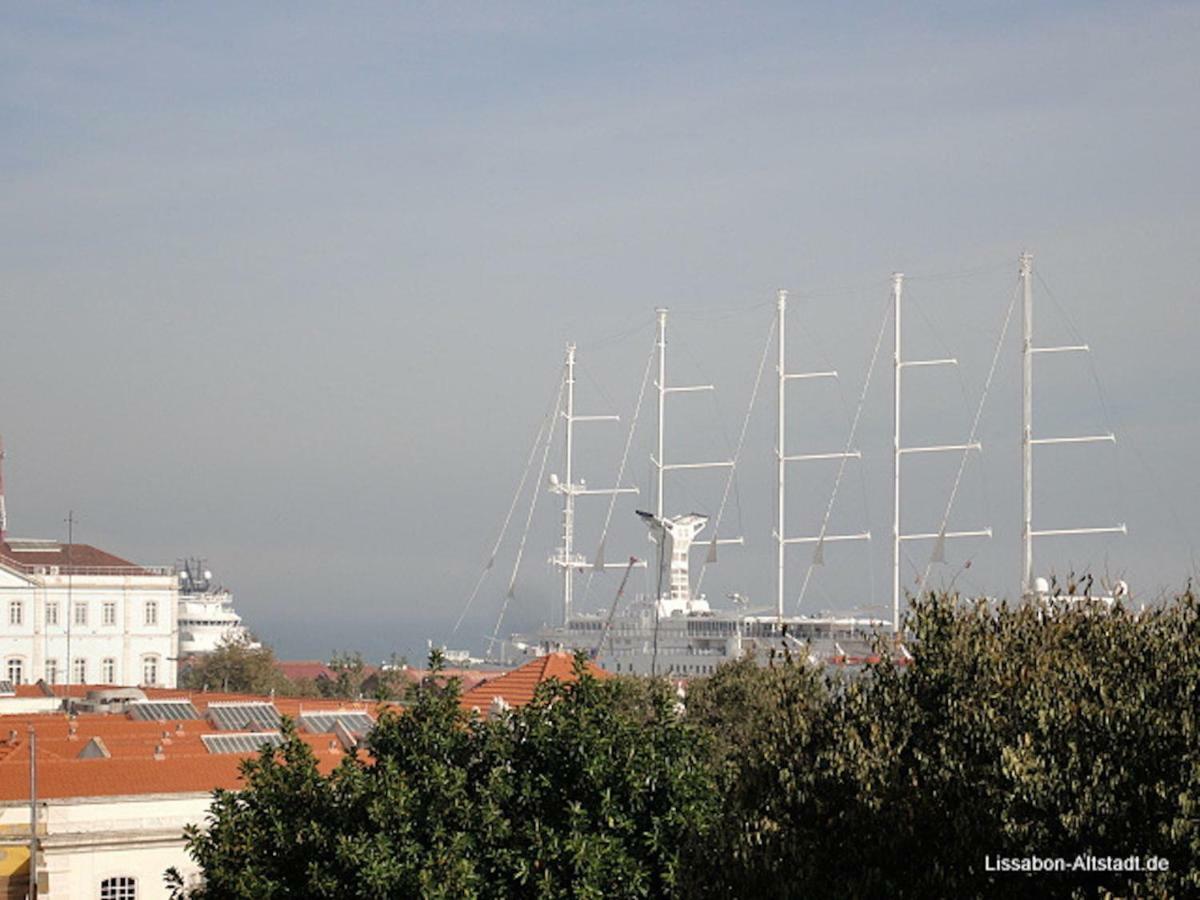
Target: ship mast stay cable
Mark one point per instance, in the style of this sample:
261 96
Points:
837 481
508 519
938 553
1165 499
551 414
598 562
512 581
1105 406
737 453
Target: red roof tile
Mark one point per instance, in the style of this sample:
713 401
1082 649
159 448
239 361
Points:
306 668
186 766
517 687
83 555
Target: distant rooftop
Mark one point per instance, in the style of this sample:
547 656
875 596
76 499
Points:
516 688
151 749
42 557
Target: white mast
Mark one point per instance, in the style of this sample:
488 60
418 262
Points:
661 467
1027 426
566 558
897 289
780 465
782 459
898 451
1028 441
661 384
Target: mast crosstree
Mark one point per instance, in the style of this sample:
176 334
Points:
1028 441
782 459
661 467
899 451
566 558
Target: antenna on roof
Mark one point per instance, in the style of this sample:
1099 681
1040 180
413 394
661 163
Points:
3 512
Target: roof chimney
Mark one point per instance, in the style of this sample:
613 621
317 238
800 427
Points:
159 753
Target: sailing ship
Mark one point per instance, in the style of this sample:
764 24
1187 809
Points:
674 631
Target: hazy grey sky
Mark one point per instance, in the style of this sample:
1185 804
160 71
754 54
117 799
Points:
287 285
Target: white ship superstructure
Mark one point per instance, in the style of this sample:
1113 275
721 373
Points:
678 634
206 615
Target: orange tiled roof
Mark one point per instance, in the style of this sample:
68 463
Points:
131 768
185 767
305 668
83 555
517 687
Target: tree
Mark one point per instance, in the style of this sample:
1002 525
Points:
349 672
588 791
236 666
1012 732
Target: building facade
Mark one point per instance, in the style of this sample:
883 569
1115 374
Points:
120 778
78 615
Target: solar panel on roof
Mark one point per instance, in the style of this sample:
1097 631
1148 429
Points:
241 716
162 710
241 743
357 723
6 687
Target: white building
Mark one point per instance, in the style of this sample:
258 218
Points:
110 848
74 614
116 789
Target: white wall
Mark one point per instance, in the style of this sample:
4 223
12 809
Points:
88 840
128 641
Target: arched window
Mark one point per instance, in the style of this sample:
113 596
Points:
150 670
123 887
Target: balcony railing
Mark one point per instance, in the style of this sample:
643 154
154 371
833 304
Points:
110 571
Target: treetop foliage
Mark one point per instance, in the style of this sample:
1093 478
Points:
1011 733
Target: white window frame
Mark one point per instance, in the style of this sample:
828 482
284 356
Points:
150 613
118 887
16 612
109 613
51 612
79 663
81 612
150 667
52 671
15 664
108 670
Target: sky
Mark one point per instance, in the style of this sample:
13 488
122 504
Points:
287 287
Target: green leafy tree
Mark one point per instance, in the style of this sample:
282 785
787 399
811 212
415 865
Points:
1012 733
236 666
591 790
349 673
